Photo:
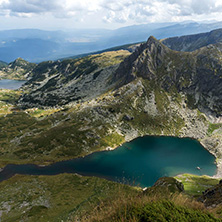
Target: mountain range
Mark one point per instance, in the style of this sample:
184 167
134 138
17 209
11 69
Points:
195 73
38 45
72 107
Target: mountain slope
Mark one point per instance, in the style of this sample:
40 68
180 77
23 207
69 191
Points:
102 103
153 91
3 64
198 74
193 42
61 82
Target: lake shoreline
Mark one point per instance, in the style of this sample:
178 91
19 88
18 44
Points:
145 160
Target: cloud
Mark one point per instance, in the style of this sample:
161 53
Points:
113 11
30 6
140 10
57 8
161 10
196 6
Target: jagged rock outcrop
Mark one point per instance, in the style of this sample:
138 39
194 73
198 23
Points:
212 197
197 74
169 183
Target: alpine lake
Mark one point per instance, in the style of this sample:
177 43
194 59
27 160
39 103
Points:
11 84
139 162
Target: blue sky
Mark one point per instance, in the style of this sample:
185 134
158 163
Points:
110 14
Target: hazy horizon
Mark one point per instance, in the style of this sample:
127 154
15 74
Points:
111 29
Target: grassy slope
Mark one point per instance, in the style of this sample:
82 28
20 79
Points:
70 197
195 185
161 211
42 136
7 99
28 135
158 203
80 130
53 198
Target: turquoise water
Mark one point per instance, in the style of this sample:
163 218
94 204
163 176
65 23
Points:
140 162
11 84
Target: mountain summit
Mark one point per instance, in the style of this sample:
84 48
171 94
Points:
198 74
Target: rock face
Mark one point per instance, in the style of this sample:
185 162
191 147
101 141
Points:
56 90
212 196
165 186
197 74
170 183
192 42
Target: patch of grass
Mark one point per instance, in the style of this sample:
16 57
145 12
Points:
162 211
9 96
5 108
110 58
36 112
191 102
152 207
201 116
112 140
195 185
213 126
162 102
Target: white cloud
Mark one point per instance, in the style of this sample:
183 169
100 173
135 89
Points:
114 11
49 6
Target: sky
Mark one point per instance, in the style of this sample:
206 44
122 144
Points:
109 14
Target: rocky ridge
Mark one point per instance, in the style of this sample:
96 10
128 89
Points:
18 70
197 74
60 82
190 43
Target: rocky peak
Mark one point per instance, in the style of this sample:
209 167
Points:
197 74
212 196
19 62
143 62
18 69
